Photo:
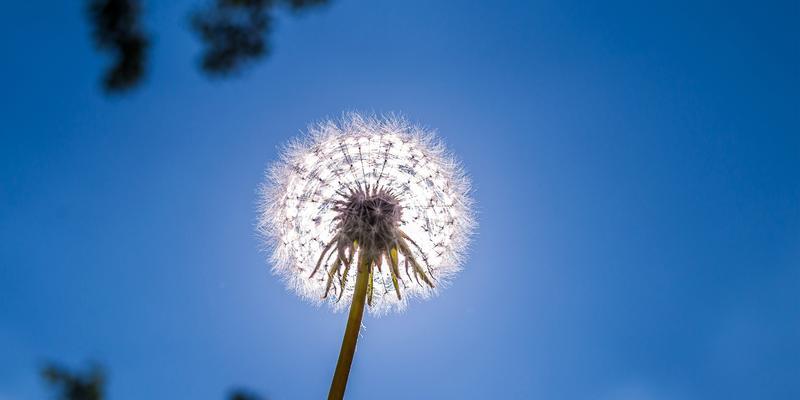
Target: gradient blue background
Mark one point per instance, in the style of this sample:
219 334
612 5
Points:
636 168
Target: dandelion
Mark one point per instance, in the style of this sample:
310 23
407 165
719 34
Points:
365 210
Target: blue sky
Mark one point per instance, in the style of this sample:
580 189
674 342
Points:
636 168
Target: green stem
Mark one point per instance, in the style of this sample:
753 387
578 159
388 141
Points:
350 332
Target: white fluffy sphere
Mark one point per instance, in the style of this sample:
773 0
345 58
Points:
303 200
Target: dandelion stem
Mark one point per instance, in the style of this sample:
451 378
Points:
351 331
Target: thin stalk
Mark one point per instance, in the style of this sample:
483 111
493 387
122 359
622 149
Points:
351 331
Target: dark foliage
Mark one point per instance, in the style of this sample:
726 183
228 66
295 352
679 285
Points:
70 386
234 34
302 4
235 31
90 385
240 394
116 29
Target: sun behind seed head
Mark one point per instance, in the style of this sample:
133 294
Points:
373 187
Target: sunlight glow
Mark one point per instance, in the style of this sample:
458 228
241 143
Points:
298 217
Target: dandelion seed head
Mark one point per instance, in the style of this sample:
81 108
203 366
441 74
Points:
373 186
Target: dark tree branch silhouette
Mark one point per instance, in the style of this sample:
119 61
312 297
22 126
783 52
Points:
235 31
116 29
90 385
234 34
240 394
72 386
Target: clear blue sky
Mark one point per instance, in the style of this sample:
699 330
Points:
636 168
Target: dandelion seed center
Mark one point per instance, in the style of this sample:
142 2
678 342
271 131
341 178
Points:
370 217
